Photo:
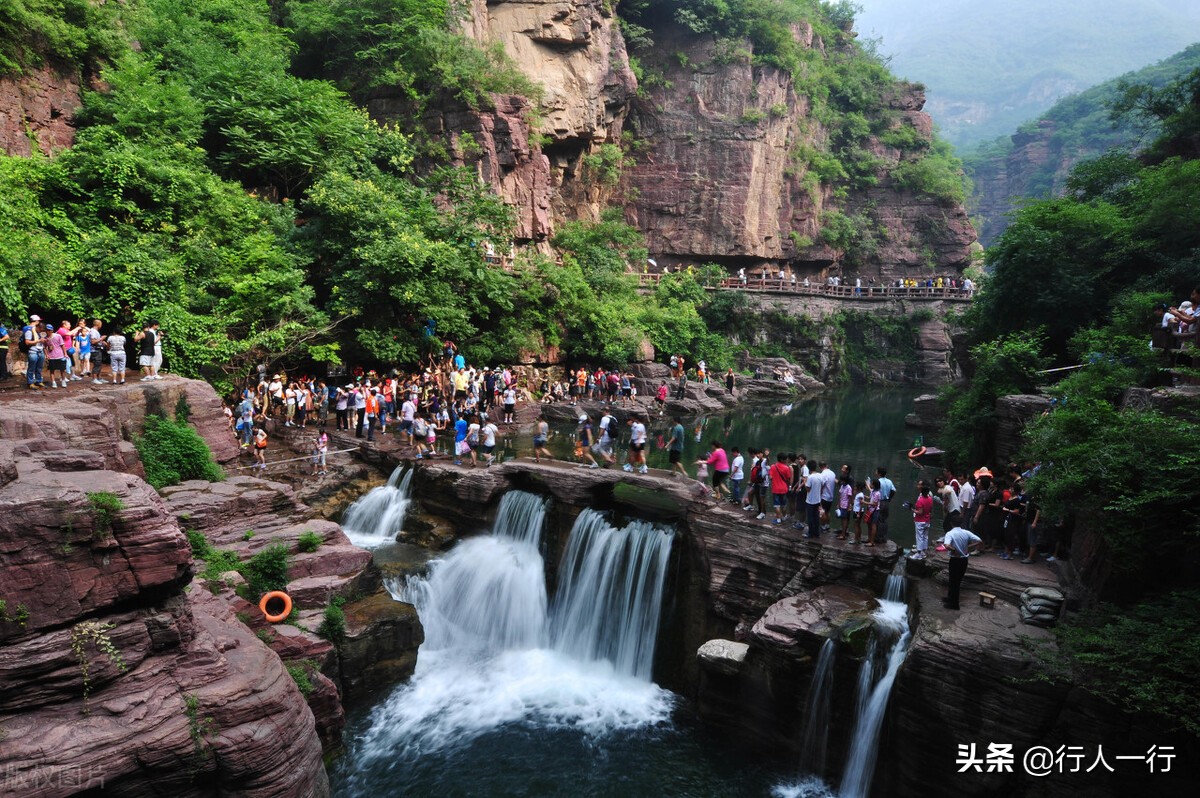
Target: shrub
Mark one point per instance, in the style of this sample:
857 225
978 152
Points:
301 675
333 625
309 542
172 451
267 570
105 507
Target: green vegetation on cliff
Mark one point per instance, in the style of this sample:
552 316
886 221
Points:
1076 128
1088 271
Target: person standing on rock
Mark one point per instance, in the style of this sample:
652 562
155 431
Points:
56 358
359 395
675 448
509 397
260 448
812 502
637 446
922 510
146 339
719 461
887 489
780 477
33 341
951 509
729 381
959 544
737 475
488 441
320 453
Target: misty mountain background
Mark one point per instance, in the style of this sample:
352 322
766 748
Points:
990 65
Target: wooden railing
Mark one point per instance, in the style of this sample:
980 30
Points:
866 292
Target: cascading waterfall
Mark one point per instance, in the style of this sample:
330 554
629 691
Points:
816 719
610 593
376 519
891 621
498 654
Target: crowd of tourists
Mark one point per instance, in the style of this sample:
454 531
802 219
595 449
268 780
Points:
78 351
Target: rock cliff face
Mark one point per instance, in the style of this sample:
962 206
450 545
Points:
1002 180
36 109
710 173
718 179
180 692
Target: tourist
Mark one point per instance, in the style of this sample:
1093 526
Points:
859 508
540 436
321 400
828 492
146 340
922 510
606 439
845 496
675 448
719 461
966 500
359 397
729 381
56 359
33 342
637 445
289 402
340 407
320 453
67 334
887 489
472 439
488 441
660 397
114 343
584 442
951 508
460 439
959 544
815 485
260 448
371 407
872 517
83 349
1013 520
408 413
510 404
737 474
780 476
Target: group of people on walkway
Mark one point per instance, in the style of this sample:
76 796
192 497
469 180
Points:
77 351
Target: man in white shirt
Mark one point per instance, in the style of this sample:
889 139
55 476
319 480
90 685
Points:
606 438
828 489
812 502
637 446
737 474
408 412
951 507
959 543
966 495
488 435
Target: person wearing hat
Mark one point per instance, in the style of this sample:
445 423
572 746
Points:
34 336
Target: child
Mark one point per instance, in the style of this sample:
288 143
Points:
845 493
702 475
860 501
873 513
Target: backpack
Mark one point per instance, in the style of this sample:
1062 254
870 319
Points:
756 473
674 362
23 343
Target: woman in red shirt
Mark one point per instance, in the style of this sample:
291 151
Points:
922 515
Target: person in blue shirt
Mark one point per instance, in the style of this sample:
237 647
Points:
3 352
460 437
460 362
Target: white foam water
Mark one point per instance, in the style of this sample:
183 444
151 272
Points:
496 653
376 518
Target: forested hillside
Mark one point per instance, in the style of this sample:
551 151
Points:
226 179
991 66
1037 160
1081 279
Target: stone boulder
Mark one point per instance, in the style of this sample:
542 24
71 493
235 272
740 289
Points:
803 623
722 657
1012 414
380 650
927 413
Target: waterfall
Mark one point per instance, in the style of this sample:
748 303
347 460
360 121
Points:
891 621
376 519
816 718
498 655
610 593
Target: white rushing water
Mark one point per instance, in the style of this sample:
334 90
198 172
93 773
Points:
891 623
816 717
376 519
496 652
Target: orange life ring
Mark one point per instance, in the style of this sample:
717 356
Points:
913 454
287 605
